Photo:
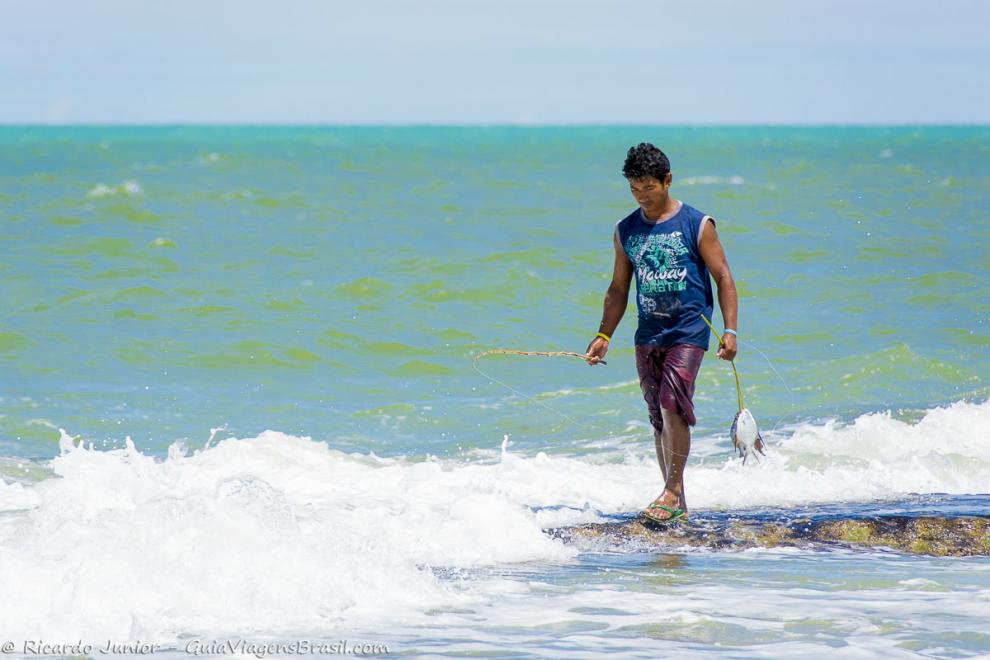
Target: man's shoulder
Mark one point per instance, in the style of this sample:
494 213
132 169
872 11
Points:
629 220
692 211
695 219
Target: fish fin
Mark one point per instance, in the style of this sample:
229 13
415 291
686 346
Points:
734 437
758 445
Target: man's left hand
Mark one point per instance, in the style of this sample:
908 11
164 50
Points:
727 351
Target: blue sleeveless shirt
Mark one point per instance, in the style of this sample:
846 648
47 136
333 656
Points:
673 288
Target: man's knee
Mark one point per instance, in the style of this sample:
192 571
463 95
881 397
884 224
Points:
673 416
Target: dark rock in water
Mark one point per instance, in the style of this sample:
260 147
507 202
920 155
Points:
962 536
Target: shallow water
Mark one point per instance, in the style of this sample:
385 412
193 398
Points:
176 284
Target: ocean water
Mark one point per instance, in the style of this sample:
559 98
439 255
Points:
239 395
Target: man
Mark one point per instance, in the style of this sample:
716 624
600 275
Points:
671 248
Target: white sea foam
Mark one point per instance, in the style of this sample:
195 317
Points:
282 533
806 609
271 533
15 496
876 456
128 187
711 181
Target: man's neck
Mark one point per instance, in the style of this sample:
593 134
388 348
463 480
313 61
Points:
670 209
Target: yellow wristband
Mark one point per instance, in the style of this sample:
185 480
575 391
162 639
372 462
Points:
604 336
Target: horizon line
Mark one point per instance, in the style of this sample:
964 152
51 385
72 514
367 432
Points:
483 124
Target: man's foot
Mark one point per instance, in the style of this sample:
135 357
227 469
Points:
663 509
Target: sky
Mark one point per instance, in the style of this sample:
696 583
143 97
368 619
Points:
494 62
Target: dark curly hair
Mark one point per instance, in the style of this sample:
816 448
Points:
645 160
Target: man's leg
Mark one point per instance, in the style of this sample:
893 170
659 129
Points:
649 362
679 369
658 444
676 444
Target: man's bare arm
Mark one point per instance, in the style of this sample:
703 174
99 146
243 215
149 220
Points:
616 300
728 300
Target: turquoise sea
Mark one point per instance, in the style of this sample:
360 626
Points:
238 393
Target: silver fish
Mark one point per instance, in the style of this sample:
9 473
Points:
745 435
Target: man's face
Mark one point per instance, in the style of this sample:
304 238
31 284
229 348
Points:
650 193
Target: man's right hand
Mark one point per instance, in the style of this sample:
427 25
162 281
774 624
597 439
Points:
596 350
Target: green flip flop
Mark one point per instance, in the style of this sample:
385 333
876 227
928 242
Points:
674 514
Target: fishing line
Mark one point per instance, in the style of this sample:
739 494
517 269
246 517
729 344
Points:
736 372
509 351
512 351
732 362
790 394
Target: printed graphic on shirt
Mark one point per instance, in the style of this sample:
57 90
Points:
665 307
658 261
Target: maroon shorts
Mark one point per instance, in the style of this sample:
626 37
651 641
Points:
666 376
